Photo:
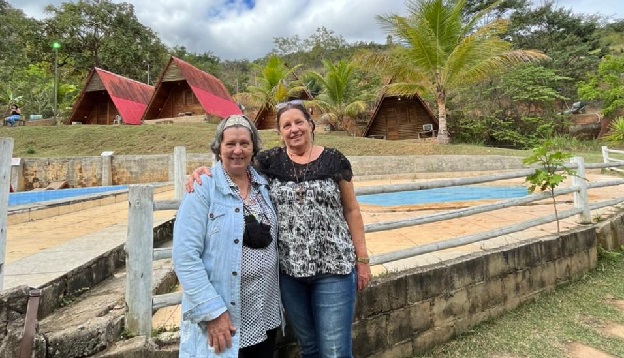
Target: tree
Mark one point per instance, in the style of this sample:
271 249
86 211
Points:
572 41
18 34
517 109
275 83
339 98
322 45
551 173
607 85
439 53
206 61
500 8
100 33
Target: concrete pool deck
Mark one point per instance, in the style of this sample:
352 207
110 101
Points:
41 249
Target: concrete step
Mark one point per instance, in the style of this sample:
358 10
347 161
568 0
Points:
94 321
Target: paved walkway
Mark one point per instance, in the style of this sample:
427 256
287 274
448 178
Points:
41 250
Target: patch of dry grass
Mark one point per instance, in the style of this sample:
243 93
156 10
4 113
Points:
63 141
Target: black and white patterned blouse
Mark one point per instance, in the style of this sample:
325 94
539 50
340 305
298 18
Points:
313 234
260 298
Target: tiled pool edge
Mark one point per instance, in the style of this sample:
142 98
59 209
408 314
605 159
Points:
25 213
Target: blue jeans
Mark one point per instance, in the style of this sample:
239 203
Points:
320 310
12 119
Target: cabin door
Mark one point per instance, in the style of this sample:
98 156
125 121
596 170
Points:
392 125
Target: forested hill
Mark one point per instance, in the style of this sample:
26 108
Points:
495 111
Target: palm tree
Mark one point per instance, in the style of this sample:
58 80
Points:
275 83
437 53
339 98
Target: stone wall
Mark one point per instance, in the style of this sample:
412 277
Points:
365 165
134 169
87 171
611 233
59 292
13 304
409 312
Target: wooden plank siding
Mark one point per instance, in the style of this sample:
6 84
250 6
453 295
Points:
399 119
176 97
102 110
267 120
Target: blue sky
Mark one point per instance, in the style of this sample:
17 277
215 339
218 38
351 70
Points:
238 29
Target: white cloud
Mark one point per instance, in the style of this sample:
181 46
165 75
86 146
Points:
233 32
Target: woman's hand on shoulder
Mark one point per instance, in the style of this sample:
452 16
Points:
196 177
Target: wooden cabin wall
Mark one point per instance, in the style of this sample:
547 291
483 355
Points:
102 109
400 119
181 99
267 121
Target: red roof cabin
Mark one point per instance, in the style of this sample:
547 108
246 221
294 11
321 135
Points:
108 98
185 90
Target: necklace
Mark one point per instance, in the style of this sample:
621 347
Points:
300 189
246 196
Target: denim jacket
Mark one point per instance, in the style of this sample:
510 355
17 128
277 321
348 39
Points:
207 249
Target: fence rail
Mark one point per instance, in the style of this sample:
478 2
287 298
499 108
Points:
607 159
141 254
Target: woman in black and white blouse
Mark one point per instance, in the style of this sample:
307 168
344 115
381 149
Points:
322 249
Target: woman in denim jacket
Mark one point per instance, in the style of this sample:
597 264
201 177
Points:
225 254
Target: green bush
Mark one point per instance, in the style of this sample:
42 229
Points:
616 130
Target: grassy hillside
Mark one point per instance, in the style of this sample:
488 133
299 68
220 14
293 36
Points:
68 141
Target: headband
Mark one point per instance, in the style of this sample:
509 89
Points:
237 120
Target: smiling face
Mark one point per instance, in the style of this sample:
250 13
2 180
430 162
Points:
236 150
295 129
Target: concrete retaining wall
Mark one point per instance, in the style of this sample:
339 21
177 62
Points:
82 172
134 169
410 312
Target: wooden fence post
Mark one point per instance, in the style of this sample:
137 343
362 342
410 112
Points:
581 199
179 171
107 168
139 265
6 152
605 154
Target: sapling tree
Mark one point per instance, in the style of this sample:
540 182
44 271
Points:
550 171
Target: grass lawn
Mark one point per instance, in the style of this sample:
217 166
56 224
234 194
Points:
553 325
92 140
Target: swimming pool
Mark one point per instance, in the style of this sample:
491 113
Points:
443 195
35 197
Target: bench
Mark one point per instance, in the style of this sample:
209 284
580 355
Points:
427 134
19 122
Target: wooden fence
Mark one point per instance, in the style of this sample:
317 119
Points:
6 153
607 159
141 253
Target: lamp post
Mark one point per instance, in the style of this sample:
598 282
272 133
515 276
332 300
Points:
55 46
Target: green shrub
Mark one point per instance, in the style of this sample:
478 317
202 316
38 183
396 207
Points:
616 130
